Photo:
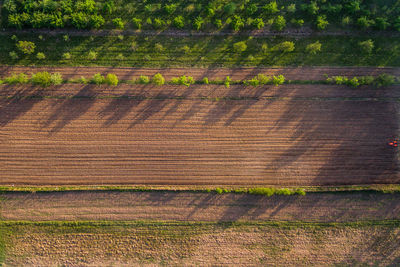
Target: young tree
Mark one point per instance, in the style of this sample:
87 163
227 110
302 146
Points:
366 46
279 23
26 47
314 48
240 47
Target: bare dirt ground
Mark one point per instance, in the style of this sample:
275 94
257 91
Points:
183 206
294 135
297 73
192 142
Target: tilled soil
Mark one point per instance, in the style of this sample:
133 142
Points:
197 142
292 135
184 206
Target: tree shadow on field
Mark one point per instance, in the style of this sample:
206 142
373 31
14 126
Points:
18 100
336 142
69 110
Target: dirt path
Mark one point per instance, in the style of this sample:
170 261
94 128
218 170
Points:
328 207
299 73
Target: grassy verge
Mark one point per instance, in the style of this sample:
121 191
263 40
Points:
210 51
390 188
203 243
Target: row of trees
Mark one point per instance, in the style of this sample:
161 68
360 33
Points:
83 14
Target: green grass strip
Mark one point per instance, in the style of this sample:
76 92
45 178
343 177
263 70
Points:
204 51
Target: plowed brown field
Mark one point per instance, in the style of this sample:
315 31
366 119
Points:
293 135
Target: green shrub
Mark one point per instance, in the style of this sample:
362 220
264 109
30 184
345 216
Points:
239 47
219 190
198 22
170 9
251 9
96 21
285 47
158 79
41 78
143 79
13 55
271 8
111 79
158 47
26 47
384 80
313 48
237 23
291 8
279 23
263 79
82 80
321 22
56 79
66 38
227 81
97 79
310 9
354 82
218 23
346 21
183 80
40 56
179 22
205 80
258 23
79 20
262 191
264 48
366 80
230 8
137 23
381 23
66 56
118 23
92 55
20 78
300 191
278 80
364 23
120 57
366 46
283 191
297 22
158 23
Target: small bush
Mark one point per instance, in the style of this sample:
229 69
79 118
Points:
198 23
291 8
321 22
45 79
111 79
118 23
313 48
26 47
56 79
271 8
297 22
219 190
364 23
20 78
13 55
158 47
285 47
92 55
183 80
82 80
262 191
240 47
230 8
205 80
137 23
179 22
120 57
366 46
278 80
279 23
66 56
143 79
227 81
40 56
354 82
158 79
384 80
97 79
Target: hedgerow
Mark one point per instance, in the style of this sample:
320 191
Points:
379 81
202 15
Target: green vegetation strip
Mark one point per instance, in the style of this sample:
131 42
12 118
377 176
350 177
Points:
202 15
204 51
268 191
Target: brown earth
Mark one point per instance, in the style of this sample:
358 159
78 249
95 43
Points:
293 135
184 206
197 142
296 73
